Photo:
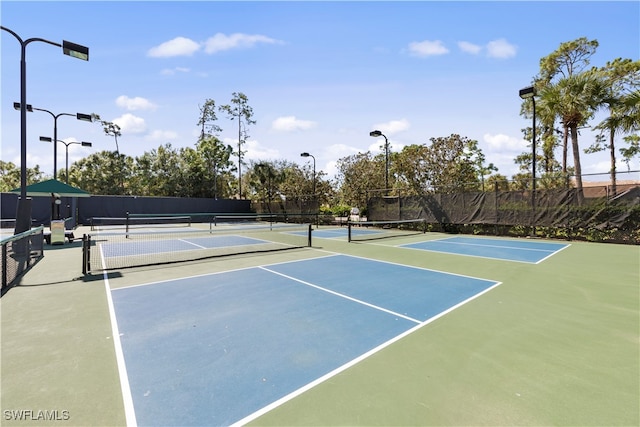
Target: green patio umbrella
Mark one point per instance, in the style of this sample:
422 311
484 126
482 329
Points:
54 188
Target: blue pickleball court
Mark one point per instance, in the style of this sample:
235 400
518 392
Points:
217 349
529 251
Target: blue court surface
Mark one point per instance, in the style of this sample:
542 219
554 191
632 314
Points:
529 251
222 348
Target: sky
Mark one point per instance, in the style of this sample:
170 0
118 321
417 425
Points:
319 75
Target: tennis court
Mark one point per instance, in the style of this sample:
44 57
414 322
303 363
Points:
371 333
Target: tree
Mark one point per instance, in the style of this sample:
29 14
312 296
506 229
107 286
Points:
161 168
359 176
621 76
575 99
216 157
451 164
208 118
569 59
97 176
112 129
240 110
410 167
10 176
498 182
632 151
265 180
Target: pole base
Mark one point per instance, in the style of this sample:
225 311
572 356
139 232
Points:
23 215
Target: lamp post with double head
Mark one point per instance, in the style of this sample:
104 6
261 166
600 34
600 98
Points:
23 214
66 144
376 134
79 116
530 93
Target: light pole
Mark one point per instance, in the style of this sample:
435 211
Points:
23 213
376 134
66 144
79 116
305 154
530 93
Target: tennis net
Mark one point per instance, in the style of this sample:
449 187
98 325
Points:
130 223
372 230
118 250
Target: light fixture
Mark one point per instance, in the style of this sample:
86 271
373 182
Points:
527 92
376 133
75 50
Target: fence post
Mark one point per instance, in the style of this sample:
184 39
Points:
4 266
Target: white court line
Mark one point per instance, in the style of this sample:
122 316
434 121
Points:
331 254
191 243
493 246
129 410
342 295
460 254
553 253
353 362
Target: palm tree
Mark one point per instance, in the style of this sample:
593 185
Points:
622 76
574 99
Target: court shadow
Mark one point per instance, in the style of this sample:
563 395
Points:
90 277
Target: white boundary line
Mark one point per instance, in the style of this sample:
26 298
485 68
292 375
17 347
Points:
342 296
127 399
222 272
353 362
467 255
492 246
552 254
415 267
404 246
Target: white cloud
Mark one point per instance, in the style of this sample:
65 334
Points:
220 42
162 136
291 123
130 124
172 71
393 126
133 104
501 142
342 150
337 151
501 49
254 151
427 48
180 46
471 48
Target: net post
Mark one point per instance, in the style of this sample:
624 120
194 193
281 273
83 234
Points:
84 254
309 238
87 253
126 226
349 224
